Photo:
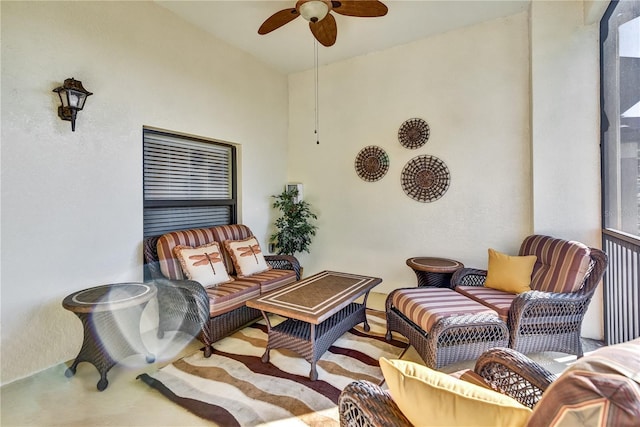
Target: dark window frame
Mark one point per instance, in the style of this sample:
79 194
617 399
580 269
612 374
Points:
232 202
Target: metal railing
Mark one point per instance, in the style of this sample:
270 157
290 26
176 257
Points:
621 287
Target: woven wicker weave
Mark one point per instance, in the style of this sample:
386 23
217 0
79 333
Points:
363 404
183 305
514 374
110 316
545 321
297 336
451 339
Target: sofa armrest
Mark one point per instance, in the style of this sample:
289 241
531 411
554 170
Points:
284 262
151 264
549 304
183 305
468 277
544 311
364 404
514 374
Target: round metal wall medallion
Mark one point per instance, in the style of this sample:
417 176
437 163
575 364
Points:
413 133
425 178
372 163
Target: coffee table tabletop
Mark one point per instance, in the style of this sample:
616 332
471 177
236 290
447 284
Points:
315 298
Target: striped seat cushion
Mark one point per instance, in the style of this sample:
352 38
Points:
271 279
426 306
561 265
499 301
231 295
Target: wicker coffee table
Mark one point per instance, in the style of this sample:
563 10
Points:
319 309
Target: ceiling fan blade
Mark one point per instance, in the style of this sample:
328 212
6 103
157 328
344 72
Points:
277 20
325 31
362 8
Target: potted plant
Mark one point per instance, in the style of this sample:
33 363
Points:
295 227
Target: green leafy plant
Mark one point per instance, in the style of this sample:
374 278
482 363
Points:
295 226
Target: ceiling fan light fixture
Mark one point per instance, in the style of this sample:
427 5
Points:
313 10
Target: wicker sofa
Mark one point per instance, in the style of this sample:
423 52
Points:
211 312
548 317
601 389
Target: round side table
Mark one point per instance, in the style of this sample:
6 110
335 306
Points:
110 316
434 272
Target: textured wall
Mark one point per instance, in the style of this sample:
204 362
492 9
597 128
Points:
472 87
513 110
565 123
72 202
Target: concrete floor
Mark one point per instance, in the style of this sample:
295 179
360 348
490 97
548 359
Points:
49 398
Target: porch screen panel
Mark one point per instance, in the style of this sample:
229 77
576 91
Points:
620 128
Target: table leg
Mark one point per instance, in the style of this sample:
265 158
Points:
265 356
313 374
366 326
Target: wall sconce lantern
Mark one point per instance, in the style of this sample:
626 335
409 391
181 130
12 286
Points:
72 97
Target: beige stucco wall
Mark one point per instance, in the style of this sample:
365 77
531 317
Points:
72 202
565 123
472 87
513 110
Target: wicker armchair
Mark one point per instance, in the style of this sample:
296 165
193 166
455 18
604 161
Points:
599 390
540 320
183 305
363 404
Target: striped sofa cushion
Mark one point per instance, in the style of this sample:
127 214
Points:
426 306
271 279
499 301
231 295
169 264
561 265
230 232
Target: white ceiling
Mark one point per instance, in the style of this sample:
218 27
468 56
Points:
290 48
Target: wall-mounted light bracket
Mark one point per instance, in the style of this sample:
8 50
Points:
72 98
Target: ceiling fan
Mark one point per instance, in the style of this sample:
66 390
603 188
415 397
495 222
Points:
321 21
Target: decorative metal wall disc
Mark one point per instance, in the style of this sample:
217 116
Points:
413 133
425 178
372 163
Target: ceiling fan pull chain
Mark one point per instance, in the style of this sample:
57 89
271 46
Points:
317 113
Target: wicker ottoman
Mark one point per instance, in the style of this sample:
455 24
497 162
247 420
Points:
444 326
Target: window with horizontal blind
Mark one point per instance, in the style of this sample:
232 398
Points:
189 182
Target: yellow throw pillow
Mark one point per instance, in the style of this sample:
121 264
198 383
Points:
509 273
431 398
